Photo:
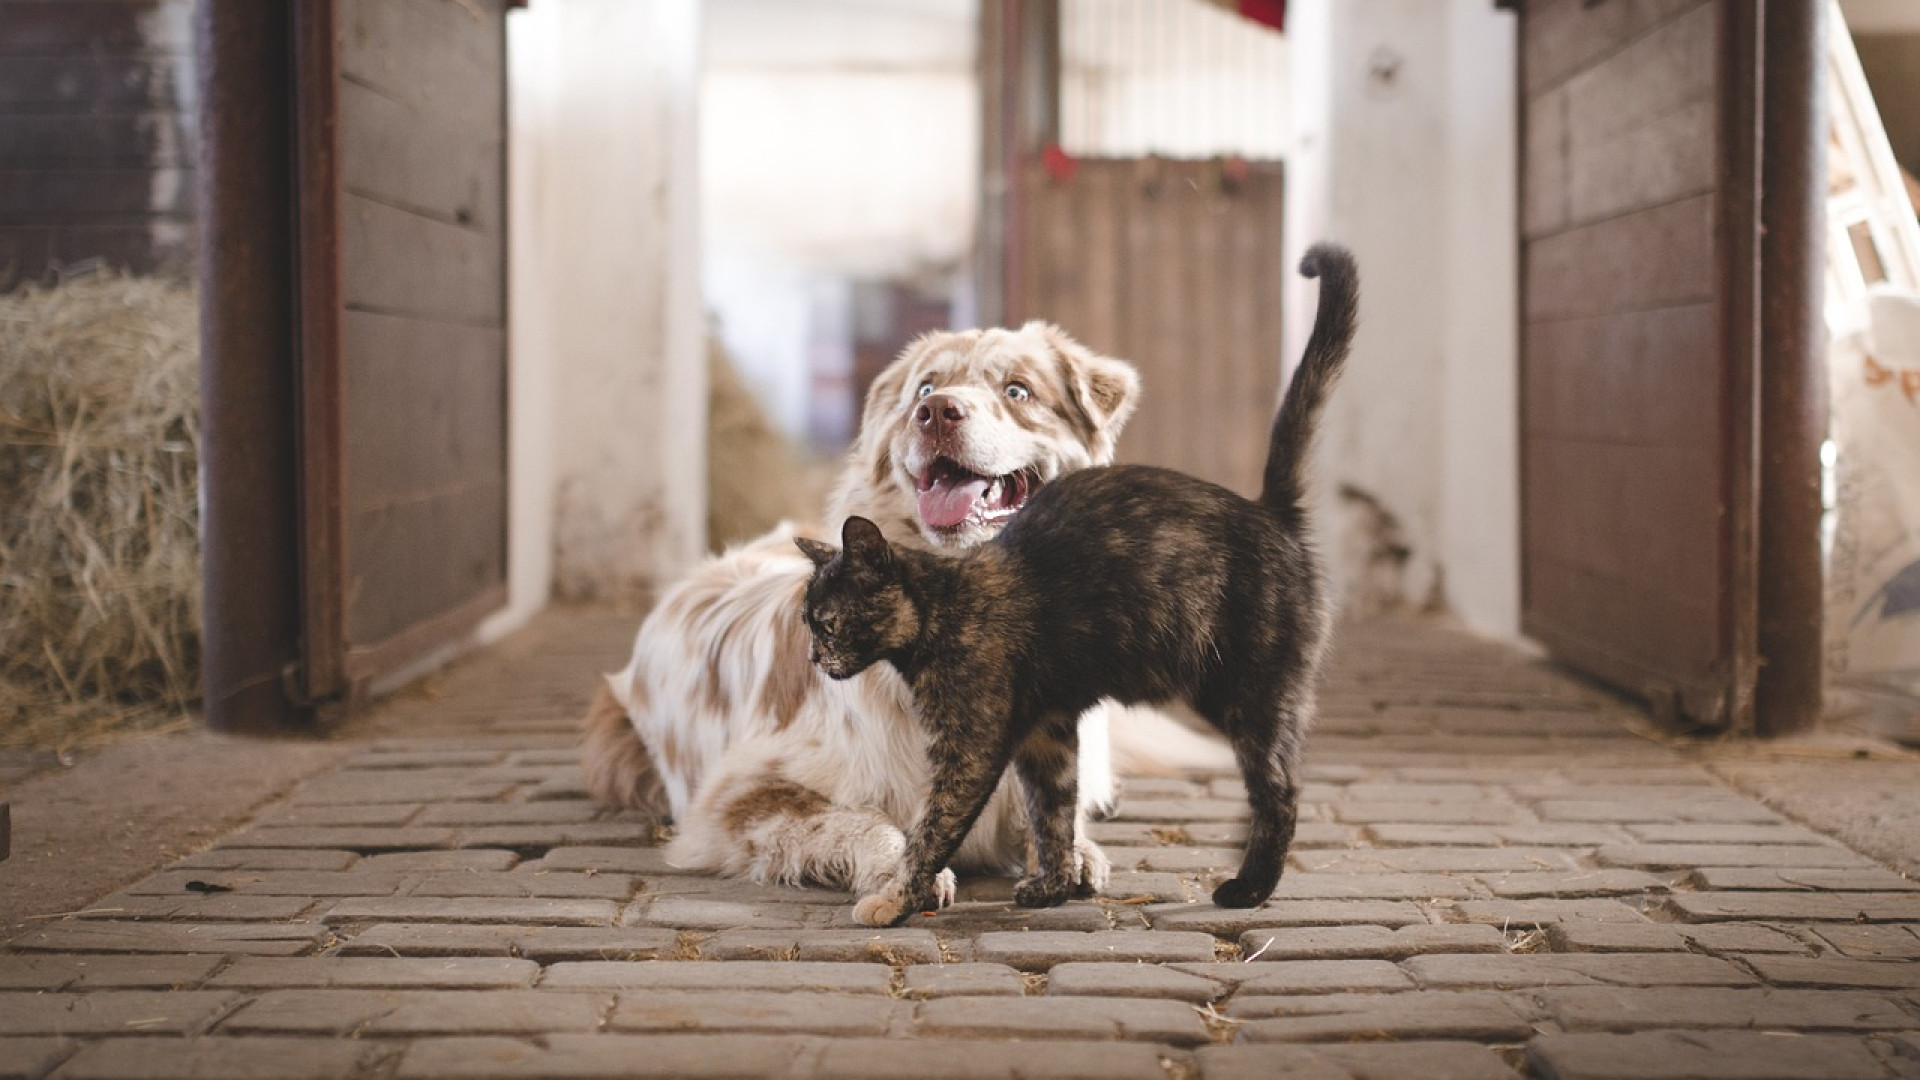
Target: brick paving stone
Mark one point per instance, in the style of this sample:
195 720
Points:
1174 810
1423 813
1326 977
1653 811
621 860
543 944
1694 832
528 813
414 759
360 787
346 838
1370 886
1836 971
1521 970
1544 911
1437 860
963 979
797 975
416 1012
543 883
1369 942
112 1012
545 837
1702 1055
268 859
468 860
1155 887
1060 1018
901 946
473 909
688 913
419 973
1862 879
1130 980
1874 942
1574 937
1693 856
1419 791
1545 834
1420 1014
192 907
1611 1008
106 972
1282 913
1075 916
1038 950
1744 938
873 1059
1382 1061
1173 859
220 1059
255 939
299 883
1794 906
27 1058
342 814
602 1057
1572 883
759 1011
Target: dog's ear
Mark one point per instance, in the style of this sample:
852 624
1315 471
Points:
864 543
884 399
1104 391
820 553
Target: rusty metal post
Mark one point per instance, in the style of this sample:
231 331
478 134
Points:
249 522
1793 395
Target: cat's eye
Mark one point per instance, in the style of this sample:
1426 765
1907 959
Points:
1018 391
925 388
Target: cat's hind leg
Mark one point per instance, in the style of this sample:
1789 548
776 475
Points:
1046 763
1266 730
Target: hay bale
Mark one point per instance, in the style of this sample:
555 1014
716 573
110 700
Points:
755 476
99 538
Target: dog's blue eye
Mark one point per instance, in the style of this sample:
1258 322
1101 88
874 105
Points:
925 388
1018 391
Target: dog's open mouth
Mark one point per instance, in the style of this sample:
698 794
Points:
952 497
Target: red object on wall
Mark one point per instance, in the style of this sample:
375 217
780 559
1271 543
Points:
1265 12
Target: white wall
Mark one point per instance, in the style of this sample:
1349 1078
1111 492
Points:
1404 149
607 427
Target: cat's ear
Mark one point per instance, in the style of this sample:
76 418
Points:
864 543
820 553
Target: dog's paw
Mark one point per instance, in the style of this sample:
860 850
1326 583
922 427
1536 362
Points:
1091 868
1038 891
1236 893
884 908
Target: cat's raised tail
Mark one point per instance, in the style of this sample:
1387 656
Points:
1285 483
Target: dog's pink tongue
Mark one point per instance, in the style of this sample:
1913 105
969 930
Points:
948 501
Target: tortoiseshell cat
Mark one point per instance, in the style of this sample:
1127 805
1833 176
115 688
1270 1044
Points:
1130 582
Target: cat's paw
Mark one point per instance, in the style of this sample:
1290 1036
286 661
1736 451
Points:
1039 891
1237 893
884 908
944 889
1091 868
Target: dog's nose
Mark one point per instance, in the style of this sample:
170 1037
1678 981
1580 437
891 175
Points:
939 413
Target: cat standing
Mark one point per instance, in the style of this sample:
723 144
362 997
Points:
1129 582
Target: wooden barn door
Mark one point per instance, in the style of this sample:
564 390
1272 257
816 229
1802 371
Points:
403 264
1639 253
1174 266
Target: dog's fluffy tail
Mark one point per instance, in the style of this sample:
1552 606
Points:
618 769
1293 429
1148 742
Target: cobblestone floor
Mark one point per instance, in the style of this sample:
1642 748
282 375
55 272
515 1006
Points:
1493 879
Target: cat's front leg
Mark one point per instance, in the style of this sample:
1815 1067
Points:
966 769
1047 765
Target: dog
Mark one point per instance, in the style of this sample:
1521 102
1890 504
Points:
769 770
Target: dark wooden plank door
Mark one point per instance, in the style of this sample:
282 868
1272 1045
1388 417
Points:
1639 232
1174 266
405 362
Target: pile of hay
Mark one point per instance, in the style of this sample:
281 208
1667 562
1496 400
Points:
756 477
99 522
